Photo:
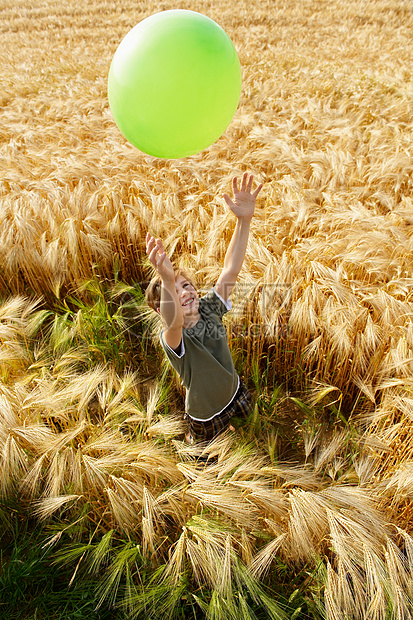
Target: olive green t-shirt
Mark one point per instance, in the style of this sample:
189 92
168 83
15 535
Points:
204 362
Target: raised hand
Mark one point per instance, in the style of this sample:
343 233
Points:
243 204
158 258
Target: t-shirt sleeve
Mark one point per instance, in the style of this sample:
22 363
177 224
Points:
172 353
215 304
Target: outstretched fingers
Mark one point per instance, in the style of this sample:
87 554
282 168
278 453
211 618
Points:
245 185
248 184
227 200
257 191
155 251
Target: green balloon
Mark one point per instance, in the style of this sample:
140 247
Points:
174 84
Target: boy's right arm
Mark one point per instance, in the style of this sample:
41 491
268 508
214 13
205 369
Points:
170 307
171 313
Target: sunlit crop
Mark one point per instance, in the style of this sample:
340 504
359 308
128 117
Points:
305 511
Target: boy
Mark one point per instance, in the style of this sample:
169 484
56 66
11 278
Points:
193 336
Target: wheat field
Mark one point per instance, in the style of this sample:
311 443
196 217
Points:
320 479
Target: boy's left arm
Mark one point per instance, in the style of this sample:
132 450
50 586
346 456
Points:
243 207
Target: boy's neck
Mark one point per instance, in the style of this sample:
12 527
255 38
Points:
191 320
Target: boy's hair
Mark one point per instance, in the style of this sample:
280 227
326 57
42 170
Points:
153 291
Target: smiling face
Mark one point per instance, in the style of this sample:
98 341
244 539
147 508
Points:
189 300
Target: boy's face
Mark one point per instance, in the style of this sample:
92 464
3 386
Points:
188 297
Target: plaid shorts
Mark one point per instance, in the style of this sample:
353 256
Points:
239 406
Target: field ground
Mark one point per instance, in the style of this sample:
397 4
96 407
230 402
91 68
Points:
304 512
